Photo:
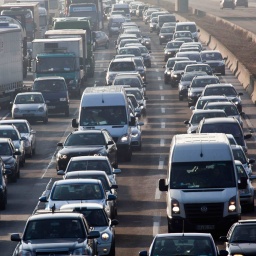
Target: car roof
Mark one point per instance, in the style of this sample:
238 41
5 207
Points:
212 97
5 140
87 172
49 78
221 120
80 158
29 93
184 234
205 77
87 131
122 59
216 103
14 121
89 206
219 85
198 111
56 215
77 181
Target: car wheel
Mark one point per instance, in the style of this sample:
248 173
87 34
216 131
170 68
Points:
67 112
107 45
22 163
112 251
140 146
45 120
3 203
33 150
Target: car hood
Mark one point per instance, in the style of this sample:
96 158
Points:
197 89
52 244
82 149
7 159
101 229
242 248
29 106
16 143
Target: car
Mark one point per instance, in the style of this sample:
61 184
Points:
178 70
197 86
229 108
146 41
183 244
135 31
3 184
166 34
147 15
100 39
125 36
192 44
86 142
241 3
114 24
224 125
240 238
26 132
152 24
55 92
103 177
83 163
202 100
171 48
199 67
31 106
165 19
140 67
215 60
185 82
225 89
240 155
188 26
134 80
56 233
78 191
139 97
198 115
10 157
192 55
119 65
247 194
97 220
10 131
227 4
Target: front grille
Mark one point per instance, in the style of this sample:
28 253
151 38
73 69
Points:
197 213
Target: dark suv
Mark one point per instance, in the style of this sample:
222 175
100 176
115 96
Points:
56 234
3 185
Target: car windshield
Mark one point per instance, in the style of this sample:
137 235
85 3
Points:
201 102
136 93
167 30
5 149
133 82
180 65
204 68
22 127
191 56
238 154
122 66
95 217
181 27
244 234
230 110
79 191
83 165
182 34
12 134
138 62
218 90
50 85
195 175
133 51
197 117
203 82
54 228
185 245
211 56
174 45
106 115
29 99
85 139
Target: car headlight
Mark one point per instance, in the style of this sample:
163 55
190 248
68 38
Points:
63 99
60 156
232 204
168 72
124 138
41 109
105 236
151 25
162 36
175 75
175 206
147 42
191 94
25 253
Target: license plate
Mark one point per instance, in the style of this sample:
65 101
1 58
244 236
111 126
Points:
205 227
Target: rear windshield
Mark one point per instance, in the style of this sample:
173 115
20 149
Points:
191 27
50 85
122 66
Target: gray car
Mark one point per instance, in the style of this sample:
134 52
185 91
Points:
30 105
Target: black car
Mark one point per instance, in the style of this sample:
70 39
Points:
171 49
227 4
241 237
3 185
86 143
215 60
57 234
10 157
165 34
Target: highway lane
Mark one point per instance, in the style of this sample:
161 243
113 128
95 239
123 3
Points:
141 207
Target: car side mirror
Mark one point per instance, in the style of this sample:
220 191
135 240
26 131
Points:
162 185
186 122
243 183
74 123
247 136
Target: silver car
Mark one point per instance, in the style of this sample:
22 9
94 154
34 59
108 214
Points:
30 105
26 132
98 220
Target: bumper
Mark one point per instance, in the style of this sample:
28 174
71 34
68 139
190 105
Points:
104 248
33 117
58 108
196 225
123 149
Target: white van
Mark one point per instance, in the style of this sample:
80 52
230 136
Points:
106 107
122 7
201 184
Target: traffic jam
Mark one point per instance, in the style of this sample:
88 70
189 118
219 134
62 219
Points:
123 133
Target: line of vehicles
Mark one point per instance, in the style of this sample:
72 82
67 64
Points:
205 187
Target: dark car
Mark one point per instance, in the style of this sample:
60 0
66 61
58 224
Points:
183 244
86 143
215 60
227 4
114 24
100 39
197 86
56 234
3 185
10 157
178 70
228 125
241 3
166 34
241 237
171 49
55 93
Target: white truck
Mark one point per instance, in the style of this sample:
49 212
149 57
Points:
60 57
11 65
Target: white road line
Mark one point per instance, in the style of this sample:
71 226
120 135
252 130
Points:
163 110
162 97
160 165
160 87
156 223
159 78
157 194
101 65
162 125
161 142
157 70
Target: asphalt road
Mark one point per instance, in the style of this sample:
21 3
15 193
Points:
141 207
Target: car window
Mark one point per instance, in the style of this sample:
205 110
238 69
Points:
5 149
82 139
12 134
239 155
95 217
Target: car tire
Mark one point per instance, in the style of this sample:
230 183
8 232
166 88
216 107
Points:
34 151
3 203
22 163
112 251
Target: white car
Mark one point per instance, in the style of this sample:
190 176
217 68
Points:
26 132
98 221
77 191
30 105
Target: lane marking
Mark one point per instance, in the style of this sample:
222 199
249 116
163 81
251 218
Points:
161 142
163 110
162 97
160 87
159 78
156 224
162 125
157 70
160 165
